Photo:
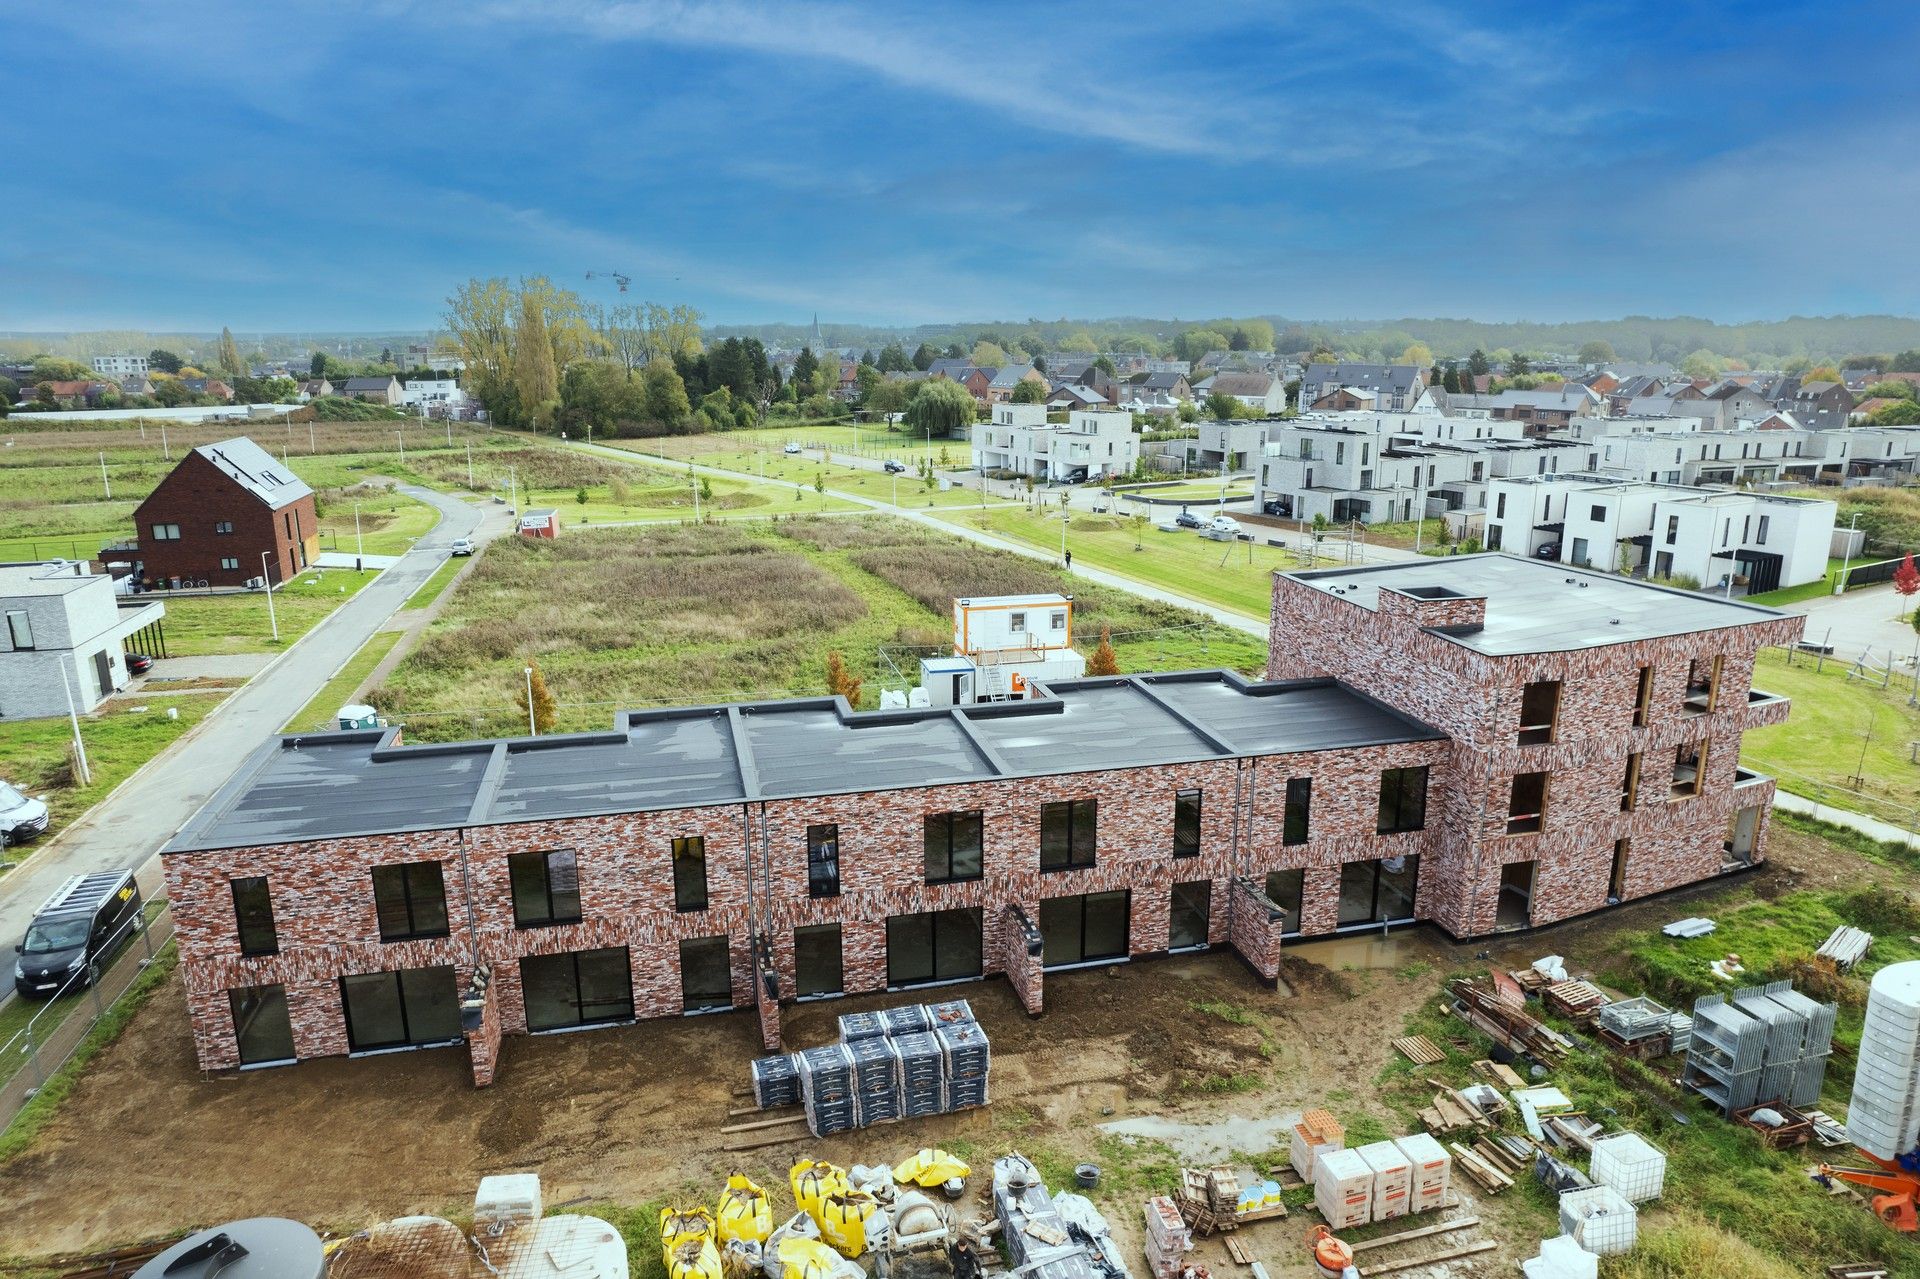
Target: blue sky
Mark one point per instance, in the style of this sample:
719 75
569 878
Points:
288 166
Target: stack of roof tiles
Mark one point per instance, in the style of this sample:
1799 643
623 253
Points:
1766 1044
901 1063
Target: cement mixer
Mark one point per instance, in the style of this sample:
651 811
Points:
919 1242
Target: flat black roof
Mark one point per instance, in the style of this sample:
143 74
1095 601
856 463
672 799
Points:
360 782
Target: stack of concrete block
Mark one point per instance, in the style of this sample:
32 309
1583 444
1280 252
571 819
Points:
1392 1179
923 1074
826 1089
910 1019
876 1080
968 1056
1429 1167
1168 1239
899 1063
856 1026
1316 1131
1342 1188
776 1081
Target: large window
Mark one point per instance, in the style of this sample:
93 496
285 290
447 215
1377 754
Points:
410 901
1287 889
1539 711
1192 906
262 1029
1403 800
690 873
166 532
937 945
20 629
1703 684
407 1008
1186 823
952 845
1085 928
1689 766
253 913
1527 803
1297 821
1378 892
578 988
816 960
546 888
1067 834
706 974
823 861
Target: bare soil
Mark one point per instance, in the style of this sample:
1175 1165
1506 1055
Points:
146 1145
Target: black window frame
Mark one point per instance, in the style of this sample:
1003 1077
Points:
1403 807
244 1005
553 917
692 1001
1186 842
223 528
941 836
684 850
1078 814
617 1013
406 873
965 917
1049 905
242 928
409 1038
812 931
1175 906
1296 817
823 860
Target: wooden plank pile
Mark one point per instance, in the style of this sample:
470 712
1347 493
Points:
1488 1177
1498 1074
1827 1130
1845 946
1852 1270
1209 1199
1481 1007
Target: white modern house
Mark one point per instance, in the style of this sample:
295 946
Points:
118 366
437 398
62 635
1091 444
1662 530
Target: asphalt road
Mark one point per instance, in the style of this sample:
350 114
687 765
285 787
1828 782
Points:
130 826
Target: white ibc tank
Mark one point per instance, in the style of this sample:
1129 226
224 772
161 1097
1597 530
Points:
1884 1117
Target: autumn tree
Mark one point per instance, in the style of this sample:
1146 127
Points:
1103 662
230 362
840 681
1906 578
535 684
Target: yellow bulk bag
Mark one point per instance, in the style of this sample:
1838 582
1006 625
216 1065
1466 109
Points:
683 1225
744 1211
813 1182
693 1258
807 1259
929 1166
843 1221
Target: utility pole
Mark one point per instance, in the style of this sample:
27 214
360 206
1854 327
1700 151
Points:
469 464
267 577
165 452
402 437
359 546
84 769
1846 562
533 729
313 444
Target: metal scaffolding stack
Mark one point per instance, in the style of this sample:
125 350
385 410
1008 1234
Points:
1766 1044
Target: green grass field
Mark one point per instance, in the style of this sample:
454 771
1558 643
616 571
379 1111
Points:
1833 719
730 452
318 712
122 735
205 625
795 591
429 591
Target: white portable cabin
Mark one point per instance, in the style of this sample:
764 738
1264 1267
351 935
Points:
1014 641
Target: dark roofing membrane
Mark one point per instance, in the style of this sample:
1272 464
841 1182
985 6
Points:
332 785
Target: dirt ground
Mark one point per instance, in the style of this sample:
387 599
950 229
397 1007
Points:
147 1146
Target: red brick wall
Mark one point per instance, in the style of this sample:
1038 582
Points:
1476 698
196 495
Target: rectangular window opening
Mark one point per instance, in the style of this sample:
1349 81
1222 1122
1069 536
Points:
546 888
1192 909
1643 697
1527 804
1539 711
690 873
816 960
253 915
1403 800
410 901
823 861
1297 818
952 845
1186 823
1067 831
1689 766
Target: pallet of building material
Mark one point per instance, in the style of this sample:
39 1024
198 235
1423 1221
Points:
1827 1130
1498 1073
908 1019
1635 1018
1579 1001
1449 1114
1480 1007
1693 926
1846 946
950 1012
1531 981
965 1047
776 1081
1419 1050
1780 1126
1488 1177
857 1026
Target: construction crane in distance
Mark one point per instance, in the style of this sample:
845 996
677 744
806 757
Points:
622 280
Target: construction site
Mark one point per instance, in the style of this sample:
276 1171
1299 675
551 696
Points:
1395 1105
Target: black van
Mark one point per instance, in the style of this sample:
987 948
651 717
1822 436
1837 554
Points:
74 931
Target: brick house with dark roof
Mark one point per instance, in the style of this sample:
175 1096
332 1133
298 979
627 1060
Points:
216 513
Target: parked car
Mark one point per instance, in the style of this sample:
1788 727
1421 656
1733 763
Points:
75 930
139 663
21 818
1187 519
1274 506
894 466
1550 551
462 546
1224 524
792 448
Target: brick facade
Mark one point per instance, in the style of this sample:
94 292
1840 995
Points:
198 497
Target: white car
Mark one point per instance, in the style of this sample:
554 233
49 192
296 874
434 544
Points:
461 546
791 449
1225 524
21 818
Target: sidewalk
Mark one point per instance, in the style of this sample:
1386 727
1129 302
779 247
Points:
1871 826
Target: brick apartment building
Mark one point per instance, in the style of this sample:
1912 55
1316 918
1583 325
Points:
214 515
346 892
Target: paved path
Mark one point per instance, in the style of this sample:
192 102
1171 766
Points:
1871 617
1885 831
131 825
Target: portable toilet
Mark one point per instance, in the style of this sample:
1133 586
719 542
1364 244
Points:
357 715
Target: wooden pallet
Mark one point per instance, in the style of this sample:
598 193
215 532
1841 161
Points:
1498 1073
1237 1250
1578 1000
1857 1270
1419 1050
1488 1177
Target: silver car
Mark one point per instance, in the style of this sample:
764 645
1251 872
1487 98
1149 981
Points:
21 817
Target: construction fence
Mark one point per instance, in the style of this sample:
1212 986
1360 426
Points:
61 1024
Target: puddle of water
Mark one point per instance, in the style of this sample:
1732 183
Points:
1368 950
1212 1141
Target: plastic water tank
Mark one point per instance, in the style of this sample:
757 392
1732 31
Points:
1884 1117
257 1248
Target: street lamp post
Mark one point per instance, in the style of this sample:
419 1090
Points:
533 729
402 437
267 577
1846 562
359 544
83 769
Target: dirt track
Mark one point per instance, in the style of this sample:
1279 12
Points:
145 1145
